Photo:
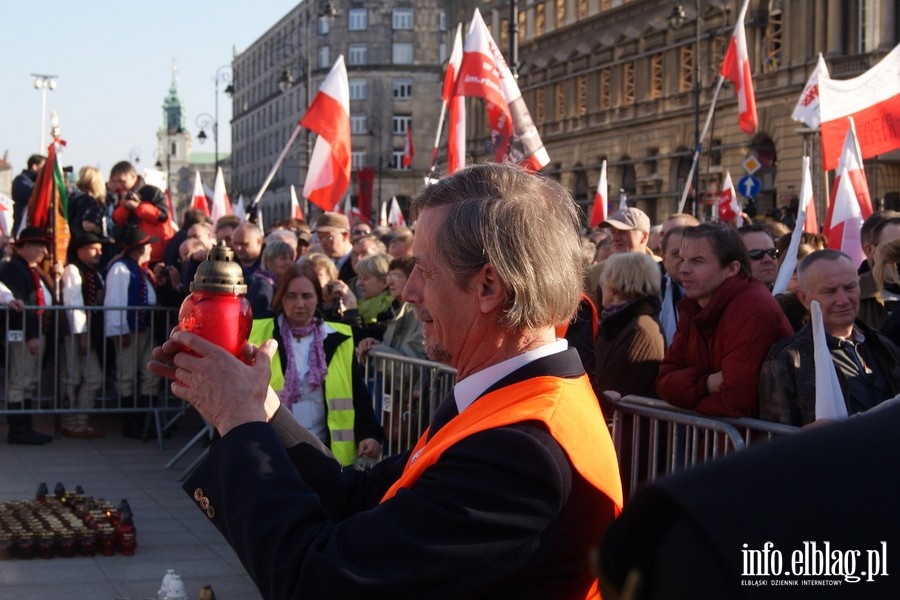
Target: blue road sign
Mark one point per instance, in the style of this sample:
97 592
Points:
748 186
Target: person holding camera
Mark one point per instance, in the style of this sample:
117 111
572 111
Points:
141 205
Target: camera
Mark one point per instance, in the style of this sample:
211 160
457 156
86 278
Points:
129 195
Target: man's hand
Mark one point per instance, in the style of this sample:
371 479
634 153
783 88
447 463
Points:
16 304
714 382
363 347
225 391
369 447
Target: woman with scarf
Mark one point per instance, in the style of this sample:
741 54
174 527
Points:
630 344
315 372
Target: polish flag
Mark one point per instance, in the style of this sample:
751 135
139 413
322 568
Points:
483 73
807 109
872 99
239 211
6 215
806 212
296 211
830 403
850 204
598 213
221 205
382 218
395 217
456 119
328 176
408 149
736 68
198 198
730 210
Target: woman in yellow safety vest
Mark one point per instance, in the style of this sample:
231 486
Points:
315 372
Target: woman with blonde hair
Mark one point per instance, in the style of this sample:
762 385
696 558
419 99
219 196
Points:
87 204
887 278
630 344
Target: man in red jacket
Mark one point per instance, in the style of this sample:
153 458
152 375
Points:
141 205
727 323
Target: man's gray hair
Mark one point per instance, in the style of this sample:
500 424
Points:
809 260
525 225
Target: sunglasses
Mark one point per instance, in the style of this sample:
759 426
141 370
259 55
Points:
758 254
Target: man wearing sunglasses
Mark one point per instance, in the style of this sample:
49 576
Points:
763 255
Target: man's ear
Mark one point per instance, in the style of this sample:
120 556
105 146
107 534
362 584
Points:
490 289
803 298
734 267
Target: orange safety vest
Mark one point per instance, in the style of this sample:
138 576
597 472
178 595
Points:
577 424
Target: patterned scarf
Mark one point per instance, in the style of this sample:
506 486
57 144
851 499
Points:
315 376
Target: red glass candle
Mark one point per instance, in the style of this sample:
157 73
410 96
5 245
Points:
217 309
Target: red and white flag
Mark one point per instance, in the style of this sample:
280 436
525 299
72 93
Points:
872 99
456 106
221 205
850 204
382 217
395 216
409 150
807 109
6 215
730 210
736 68
296 211
239 211
198 198
483 73
598 213
806 212
328 176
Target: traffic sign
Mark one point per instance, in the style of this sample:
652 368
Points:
748 186
752 164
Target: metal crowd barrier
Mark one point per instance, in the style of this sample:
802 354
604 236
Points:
405 392
654 439
50 395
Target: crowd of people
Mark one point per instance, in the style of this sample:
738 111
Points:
125 252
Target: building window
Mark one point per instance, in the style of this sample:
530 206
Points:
402 53
397 160
357 19
628 83
539 22
539 106
402 89
358 89
358 124
402 18
442 52
772 59
324 57
400 124
442 20
324 25
523 24
581 85
560 12
356 54
503 37
582 9
686 69
559 93
656 75
603 92
357 159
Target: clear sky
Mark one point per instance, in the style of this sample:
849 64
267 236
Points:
114 66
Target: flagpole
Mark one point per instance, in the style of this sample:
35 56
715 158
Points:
690 177
437 138
274 170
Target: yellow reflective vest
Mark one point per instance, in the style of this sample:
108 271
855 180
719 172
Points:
338 386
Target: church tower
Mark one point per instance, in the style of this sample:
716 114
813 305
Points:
173 145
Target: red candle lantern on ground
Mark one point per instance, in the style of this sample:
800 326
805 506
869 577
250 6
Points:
217 309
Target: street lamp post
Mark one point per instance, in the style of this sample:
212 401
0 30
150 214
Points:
676 20
206 121
43 83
